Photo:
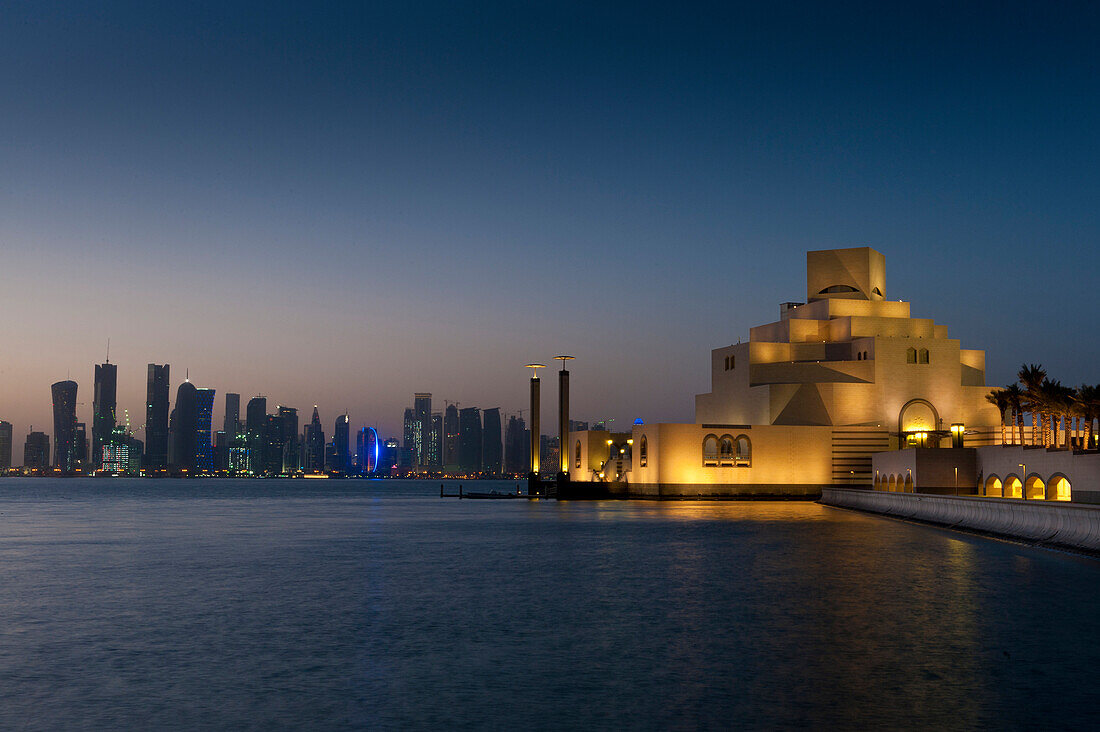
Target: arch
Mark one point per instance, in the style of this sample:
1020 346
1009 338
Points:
725 450
891 484
909 487
1058 488
743 458
859 355
911 419
1035 487
577 458
922 355
643 453
1013 488
710 450
910 355
833 289
876 291
993 487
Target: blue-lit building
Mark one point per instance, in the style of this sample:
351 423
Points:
64 425
204 415
368 451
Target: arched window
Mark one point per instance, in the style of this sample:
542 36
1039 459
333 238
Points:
710 450
865 355
1013 488
744 451
643 453
911 355
1036 488
993 487
577 459
833 289
922 356
725 450
859 356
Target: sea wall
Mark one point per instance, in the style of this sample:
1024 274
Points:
1043 522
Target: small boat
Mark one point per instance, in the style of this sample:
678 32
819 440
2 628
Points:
491 494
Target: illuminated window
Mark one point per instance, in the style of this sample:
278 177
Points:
743 458
710 450
1061 489
993 487
922 356
643 454
577 459
911 355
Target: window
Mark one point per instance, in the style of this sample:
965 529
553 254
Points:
729 362
743 458
922 357
643 453
876 291
865 355
859 356
710 450
577 459
725 450
833 289
911 355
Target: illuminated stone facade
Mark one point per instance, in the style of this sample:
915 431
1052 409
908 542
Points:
807 400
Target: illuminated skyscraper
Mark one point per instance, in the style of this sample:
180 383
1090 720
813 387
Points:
411 442
5 444
156 416
104 405
367 451
435 441
64 425
492 452
469 439
422 406
340 439
291 454
204 418
80 441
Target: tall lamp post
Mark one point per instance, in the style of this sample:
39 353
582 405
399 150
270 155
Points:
1023 480
535 401
563 415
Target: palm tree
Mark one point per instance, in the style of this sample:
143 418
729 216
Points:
1088 399
1031 379
999 399
1015 396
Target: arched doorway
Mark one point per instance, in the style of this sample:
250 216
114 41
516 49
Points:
1058 489
993 487
1013 487
1036 488
909 483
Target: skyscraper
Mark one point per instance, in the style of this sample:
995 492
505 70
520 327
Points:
315 444
104 406
184 427
367 450
156 416
64 425
450 436
435 446
232 415
411 442
36 451
255 424
422 406
517 446
80 443
340 440
5 444
291 450
204 418
469 439
492 452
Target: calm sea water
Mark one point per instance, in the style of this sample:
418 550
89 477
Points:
369 604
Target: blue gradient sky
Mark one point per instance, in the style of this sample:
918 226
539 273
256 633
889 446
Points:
340 204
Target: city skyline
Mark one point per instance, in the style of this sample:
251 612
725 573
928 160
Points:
342 206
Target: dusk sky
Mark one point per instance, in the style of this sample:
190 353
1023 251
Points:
341 204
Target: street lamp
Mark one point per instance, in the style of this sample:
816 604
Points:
1023 480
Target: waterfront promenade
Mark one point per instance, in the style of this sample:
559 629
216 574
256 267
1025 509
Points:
1047 523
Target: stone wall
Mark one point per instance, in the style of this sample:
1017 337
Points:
1048 523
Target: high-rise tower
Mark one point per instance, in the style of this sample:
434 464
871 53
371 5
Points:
340 439
156 416
492 449
184 427
469 439
232 415
5 444
64 425
422 409
104 405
